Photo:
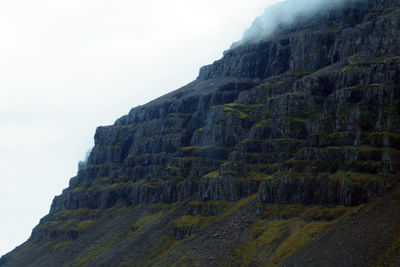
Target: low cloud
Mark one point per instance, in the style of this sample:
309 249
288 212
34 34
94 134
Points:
284 13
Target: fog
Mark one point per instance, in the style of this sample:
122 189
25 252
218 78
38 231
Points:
285 13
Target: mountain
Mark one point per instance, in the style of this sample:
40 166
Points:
285 152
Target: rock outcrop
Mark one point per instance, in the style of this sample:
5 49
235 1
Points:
299 113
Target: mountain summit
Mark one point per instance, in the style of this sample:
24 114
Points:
285 152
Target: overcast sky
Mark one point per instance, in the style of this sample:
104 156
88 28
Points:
67 67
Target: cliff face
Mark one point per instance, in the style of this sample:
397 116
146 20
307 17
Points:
304 118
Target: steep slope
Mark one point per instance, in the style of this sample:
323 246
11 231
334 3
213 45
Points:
286 151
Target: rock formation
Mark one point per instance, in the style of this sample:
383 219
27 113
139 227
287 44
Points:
297 129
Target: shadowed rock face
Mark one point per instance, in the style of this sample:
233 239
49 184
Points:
309 115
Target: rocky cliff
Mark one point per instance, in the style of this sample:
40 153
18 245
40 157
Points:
273 147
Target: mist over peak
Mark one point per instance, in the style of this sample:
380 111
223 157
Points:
285 13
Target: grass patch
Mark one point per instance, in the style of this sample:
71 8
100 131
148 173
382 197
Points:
375 85
61 245
214 174
242 111
272 84
83 226
75 225
188 222
284 229
190 148
67 214
271 242
355 177
262 123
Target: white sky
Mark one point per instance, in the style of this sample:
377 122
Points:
67 67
